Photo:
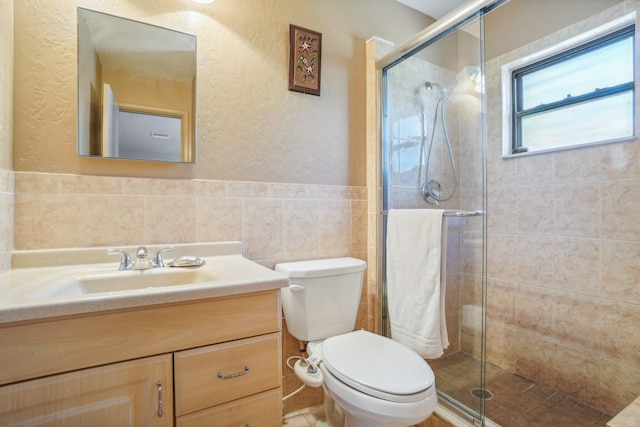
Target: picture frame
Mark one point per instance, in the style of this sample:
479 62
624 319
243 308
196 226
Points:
305 52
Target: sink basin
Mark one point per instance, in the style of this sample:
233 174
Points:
117 281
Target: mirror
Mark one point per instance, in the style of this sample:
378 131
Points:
136 90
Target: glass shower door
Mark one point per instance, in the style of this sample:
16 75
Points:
433 158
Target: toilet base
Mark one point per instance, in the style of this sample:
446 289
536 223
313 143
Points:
338 417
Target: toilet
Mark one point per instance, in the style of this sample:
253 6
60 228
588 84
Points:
368 380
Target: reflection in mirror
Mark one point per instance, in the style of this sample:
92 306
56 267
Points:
136 90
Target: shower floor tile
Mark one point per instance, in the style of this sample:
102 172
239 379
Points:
515 401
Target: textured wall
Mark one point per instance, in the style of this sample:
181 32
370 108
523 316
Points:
250 127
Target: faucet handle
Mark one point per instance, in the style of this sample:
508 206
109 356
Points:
157 259
125 261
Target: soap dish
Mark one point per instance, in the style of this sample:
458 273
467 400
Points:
187 261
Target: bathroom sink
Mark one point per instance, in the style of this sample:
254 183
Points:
69 285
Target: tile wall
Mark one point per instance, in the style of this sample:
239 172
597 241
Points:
276 223
564 261
6 219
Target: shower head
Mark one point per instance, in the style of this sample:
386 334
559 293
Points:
429 86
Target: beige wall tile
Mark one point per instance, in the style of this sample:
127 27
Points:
115 220
534 359
263 229
620 271
577 209
501 346
158 187
620 205
535 213
358 226
37 183
534 170
620 160
247 189
578 375
577 265
84 184
620 332
219 219
334 222
532 261
301 229
170 219
501 302
569 325
49 221
577 165
619 385
534 310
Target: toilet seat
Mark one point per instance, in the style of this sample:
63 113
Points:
378 366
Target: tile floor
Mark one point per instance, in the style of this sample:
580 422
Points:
515 401
308 417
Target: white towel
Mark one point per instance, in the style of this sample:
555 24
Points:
416 249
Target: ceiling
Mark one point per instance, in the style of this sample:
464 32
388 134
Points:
434 8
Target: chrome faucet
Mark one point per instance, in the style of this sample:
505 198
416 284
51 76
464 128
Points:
125 261
141 254
157 259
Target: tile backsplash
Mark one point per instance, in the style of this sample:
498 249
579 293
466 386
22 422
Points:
274 221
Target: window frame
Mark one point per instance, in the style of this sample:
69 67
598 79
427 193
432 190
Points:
614 30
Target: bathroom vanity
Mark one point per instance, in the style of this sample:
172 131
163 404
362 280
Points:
192 354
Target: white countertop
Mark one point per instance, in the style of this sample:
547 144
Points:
232 275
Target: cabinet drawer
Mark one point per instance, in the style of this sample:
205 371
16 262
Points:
260 410
215 374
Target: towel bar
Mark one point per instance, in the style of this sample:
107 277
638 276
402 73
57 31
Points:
453 213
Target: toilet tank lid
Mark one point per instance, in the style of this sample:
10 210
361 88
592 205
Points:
321 267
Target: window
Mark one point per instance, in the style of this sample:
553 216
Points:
579 96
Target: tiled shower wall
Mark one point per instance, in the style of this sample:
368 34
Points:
275 222
564 260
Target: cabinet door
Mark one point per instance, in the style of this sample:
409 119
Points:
122 394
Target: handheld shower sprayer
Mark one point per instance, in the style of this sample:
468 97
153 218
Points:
431 189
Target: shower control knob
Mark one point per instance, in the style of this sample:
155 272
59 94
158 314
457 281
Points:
309 374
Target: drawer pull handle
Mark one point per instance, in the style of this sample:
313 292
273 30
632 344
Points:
159 384
234 375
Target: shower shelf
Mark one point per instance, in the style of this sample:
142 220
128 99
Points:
453 213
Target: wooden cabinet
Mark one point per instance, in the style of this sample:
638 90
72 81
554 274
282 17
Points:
133 393
102 369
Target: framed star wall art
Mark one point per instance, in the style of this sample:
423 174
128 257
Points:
305 49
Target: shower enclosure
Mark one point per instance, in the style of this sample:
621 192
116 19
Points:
433 157
537 280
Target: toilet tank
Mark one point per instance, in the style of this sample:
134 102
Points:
323 296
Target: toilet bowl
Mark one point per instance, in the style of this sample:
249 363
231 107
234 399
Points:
369 380
372 381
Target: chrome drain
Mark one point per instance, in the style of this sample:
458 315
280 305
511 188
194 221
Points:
481 393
